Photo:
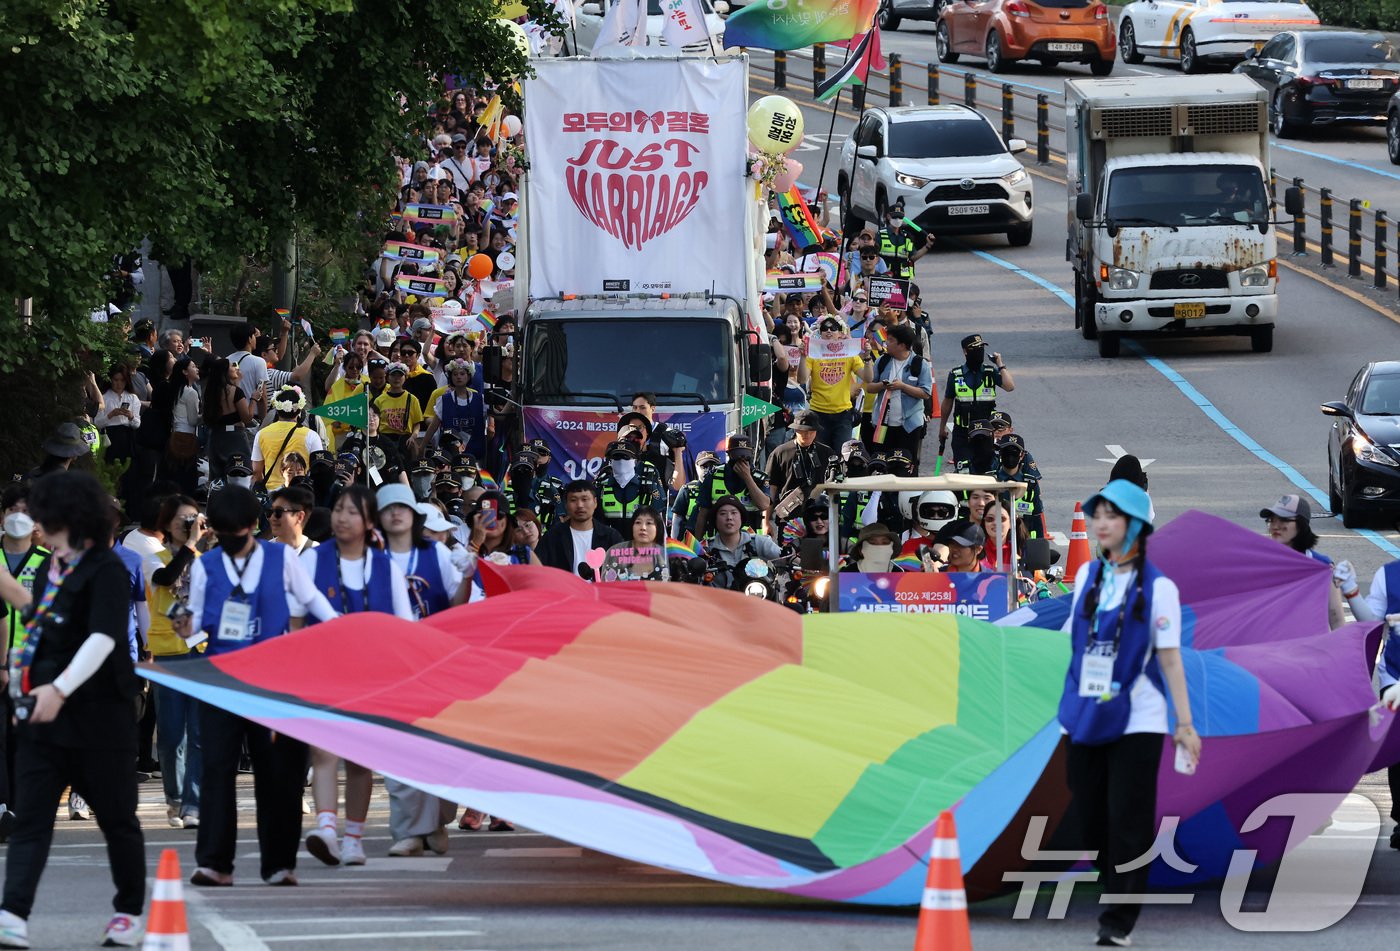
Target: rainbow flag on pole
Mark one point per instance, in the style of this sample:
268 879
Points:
820 21
690 548
798 219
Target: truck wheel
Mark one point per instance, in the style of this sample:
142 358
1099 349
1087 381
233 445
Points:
943 45
1020 236
1084 308
1109 343
1190 62
1261 339
996 62
1127 43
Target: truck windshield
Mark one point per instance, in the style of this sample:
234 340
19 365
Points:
1188 195
574 362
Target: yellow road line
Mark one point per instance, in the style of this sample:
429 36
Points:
1341 289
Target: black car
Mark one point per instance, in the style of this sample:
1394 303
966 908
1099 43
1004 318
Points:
1363 448
1320 77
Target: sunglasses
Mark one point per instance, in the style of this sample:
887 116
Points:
278 513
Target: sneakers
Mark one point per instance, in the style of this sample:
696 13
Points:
352 851
437 840
14 930
211 878
1113 938
413 845
471 820
283 876
323 846
78 807
190 821
172 816
123 931
501 825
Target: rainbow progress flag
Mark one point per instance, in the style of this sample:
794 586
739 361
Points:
798 220
818 21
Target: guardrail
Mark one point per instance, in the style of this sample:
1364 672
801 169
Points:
1370 245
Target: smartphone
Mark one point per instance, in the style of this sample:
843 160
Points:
197 343
1184 763
489 513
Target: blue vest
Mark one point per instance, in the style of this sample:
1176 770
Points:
1391 657
270 614
380 589
1089 720
468 422
426 590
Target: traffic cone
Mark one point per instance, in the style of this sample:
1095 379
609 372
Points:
1078 544
943 924
166 928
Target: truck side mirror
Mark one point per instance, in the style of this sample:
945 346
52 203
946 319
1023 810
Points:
491 366
1293 201
1083 206
760 363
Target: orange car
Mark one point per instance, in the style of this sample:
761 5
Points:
1051 31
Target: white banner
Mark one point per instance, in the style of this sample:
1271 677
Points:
684 23
636 180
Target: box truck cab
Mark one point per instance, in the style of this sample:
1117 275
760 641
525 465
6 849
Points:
1171 214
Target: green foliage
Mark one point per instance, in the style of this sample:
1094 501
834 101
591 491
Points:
1361 14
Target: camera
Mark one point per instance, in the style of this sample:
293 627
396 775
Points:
673 438
190 521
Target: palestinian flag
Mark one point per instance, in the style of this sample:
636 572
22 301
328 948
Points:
864 51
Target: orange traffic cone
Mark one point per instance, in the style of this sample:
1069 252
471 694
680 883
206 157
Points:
166 929
943 924
1078 544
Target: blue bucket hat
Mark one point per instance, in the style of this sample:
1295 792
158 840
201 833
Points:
1129 499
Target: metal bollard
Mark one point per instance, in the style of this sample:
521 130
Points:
780 69
1300 223
932 85
1354 239
970 90
1008 112
818 66
1382 236
858 98
1042 129
1273 184
1326 215
896 80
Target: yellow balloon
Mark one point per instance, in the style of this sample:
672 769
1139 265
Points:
518 36
775 125
411 299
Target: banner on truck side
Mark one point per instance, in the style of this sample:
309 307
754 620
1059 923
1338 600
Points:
577 439
636 176
980 595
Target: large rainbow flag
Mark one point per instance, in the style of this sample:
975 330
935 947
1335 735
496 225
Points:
788 28
812 755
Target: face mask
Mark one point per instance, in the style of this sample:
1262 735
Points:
875 558
231 544
624 470
19 525
974 357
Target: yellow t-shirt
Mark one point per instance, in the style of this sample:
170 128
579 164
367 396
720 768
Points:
342 389
161 638
831 383
398 415
272 438
430 411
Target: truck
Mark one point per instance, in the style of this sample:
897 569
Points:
1171 227
640 264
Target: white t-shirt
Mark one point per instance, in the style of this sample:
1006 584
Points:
583 544
302 596
1149 705
254 371
185 418
356 577
143 544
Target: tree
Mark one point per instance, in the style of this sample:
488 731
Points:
213 129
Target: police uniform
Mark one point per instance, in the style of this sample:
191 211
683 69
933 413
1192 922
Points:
721 482
896 249
974 395
617 504
546 494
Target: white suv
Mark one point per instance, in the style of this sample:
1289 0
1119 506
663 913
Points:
947 164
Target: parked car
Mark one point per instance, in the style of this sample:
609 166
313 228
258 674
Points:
1007 31
1363 447
590 22
1320 77
1197 32
894 12
946 163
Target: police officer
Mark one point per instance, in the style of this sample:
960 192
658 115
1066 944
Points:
23 555
735 477
897 246
626 484
970 394
688 499
547 491
1011 467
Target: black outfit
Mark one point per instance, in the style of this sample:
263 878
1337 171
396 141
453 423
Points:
556 548
792 467
91 746
1117 780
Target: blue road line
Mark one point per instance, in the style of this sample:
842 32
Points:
1199 399
1347 162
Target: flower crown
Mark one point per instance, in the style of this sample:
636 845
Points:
290 399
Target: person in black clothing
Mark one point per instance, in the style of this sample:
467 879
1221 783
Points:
565 545
800 464
74 694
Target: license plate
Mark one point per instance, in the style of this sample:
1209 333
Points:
968 209
1189 311
1365 83
1064 47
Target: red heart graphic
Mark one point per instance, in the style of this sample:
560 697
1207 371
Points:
636 194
